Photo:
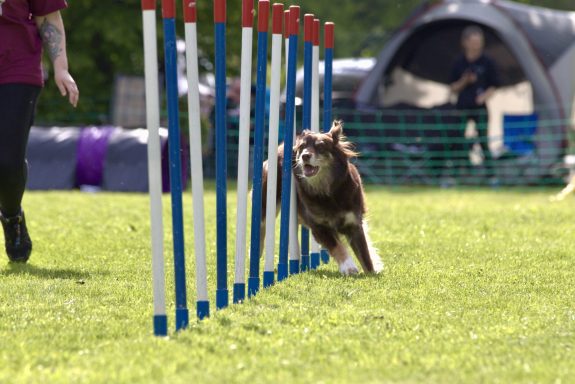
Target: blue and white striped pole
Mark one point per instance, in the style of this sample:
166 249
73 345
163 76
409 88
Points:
169 14
306 118
277 27
327 88
262 61
243 149
190 17
221 171
154 166
288 143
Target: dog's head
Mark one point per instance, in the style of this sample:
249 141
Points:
317 155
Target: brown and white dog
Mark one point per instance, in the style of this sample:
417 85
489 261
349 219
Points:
331 201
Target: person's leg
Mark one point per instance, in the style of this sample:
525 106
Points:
481 124
17 105
461 147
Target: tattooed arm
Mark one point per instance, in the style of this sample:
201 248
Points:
51 29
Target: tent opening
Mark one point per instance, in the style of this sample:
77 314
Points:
419 73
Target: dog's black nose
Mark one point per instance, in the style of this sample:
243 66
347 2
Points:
305 156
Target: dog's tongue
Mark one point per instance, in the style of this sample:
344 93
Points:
310 170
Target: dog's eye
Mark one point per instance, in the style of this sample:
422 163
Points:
320 145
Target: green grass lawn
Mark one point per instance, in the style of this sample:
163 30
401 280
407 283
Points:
478 287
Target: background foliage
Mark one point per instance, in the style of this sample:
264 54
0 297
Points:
104 40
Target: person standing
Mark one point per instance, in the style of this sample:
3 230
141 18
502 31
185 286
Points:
26 27
474 78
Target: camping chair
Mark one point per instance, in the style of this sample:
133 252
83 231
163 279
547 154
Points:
518 133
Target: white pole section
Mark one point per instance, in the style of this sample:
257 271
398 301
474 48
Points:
243 150
196 155
314 246
275 84
154 166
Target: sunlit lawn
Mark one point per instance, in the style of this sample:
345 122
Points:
478 287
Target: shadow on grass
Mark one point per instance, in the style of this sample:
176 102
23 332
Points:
336 275
45 273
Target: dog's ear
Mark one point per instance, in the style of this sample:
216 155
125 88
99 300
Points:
336 131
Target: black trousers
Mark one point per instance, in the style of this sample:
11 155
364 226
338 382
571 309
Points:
17 107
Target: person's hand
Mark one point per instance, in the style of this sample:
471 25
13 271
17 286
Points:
67 86
481 98
469 77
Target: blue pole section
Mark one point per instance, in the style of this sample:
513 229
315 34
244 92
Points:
202 309
327 87
175 171
306 124
221 172
327 110
254 279
268 279
287 160
293 267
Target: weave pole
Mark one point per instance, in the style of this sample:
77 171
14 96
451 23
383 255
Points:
328 35
154 166
261 71
169 14
244 149
288 144
294 251
190 17
221 153
315 252
306 115
277 26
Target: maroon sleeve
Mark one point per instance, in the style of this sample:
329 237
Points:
44 7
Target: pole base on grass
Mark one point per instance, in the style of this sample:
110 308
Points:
203 309
293 267
222 298
160 325
182 318
304 263
268 278
315 260
282 271
239 292
324 256
253 286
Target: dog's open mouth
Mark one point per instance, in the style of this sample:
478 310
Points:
309 170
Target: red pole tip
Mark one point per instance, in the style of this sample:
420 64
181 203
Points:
277 18
190 12
308 27
148 5
315 31
168 9
328 37
294 19
247 13
286 23
220 11
263 15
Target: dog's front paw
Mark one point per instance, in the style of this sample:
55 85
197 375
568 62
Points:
348 267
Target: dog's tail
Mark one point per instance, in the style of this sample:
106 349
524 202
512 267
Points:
373 254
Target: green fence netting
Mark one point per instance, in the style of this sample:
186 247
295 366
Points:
411 146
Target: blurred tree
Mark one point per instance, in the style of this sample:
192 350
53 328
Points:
105 39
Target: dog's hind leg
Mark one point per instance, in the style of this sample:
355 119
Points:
359 241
